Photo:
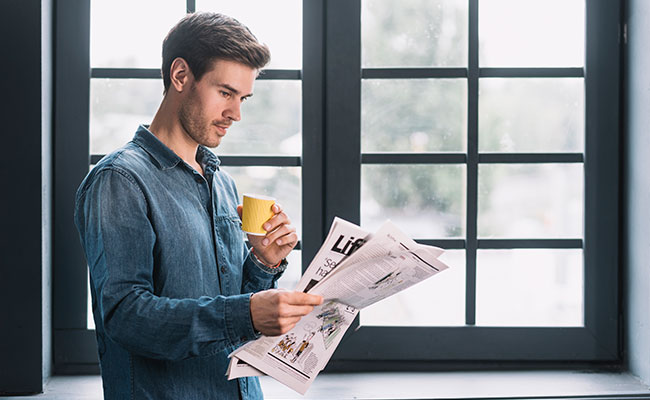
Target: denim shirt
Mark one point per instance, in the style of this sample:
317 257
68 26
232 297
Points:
171 276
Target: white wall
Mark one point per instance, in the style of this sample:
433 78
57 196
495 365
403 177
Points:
636 204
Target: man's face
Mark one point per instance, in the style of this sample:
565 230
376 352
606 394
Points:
213 103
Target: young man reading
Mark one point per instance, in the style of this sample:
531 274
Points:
173 285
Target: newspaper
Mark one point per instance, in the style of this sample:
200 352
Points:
343 239
352 270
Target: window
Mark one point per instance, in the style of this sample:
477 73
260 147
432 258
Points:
479 133
474 126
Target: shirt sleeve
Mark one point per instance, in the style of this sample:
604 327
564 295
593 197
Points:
257 276
117 236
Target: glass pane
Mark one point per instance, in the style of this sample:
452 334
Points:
117 107
438 301
531 115
425 201
530 200
283 183
291 276
129 34
414 115
531 33
278 24
529 287
413 33
271 121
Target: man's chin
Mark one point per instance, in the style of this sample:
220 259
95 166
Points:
212 142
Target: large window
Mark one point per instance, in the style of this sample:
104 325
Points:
488 128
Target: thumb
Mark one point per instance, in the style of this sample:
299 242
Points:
239 210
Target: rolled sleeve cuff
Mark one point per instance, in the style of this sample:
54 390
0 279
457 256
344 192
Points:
238 319
272 271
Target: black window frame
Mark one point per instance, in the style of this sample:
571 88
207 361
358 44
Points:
331 163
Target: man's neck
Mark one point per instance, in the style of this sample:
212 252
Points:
166 127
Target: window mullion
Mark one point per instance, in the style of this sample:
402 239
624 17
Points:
472 165
313 114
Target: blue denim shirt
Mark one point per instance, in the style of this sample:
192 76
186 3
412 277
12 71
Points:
171 275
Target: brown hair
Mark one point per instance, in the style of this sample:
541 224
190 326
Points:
200 38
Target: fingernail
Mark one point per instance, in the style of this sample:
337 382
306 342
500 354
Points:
279 242
265 242
267 226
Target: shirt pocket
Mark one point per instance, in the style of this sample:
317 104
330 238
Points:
230 239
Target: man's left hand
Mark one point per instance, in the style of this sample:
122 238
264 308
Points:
280 239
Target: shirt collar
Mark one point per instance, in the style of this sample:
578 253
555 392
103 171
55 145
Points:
208 160
165 157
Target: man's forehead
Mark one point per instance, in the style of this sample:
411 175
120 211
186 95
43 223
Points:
237 76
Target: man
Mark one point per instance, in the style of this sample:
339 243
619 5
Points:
172 279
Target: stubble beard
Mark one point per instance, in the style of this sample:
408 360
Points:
194 122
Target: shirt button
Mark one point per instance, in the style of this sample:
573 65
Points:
223 270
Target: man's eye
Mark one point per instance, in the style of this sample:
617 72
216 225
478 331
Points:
225 94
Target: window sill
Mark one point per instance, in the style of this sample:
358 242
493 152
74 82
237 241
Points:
418 385
466 385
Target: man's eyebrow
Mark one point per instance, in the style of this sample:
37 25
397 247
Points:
232 89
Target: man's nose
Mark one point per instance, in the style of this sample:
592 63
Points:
233 112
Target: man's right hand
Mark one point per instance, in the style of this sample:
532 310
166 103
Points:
275 312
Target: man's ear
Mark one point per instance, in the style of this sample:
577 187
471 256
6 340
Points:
180 74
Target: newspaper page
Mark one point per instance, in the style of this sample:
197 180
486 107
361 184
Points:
343 239
389 263
352 270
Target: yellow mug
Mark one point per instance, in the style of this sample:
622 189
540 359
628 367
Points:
257 210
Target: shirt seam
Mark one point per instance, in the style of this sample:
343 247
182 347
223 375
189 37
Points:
118 170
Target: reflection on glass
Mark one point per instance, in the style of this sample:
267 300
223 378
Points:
283 183
531 33
129 34
415 33
278 24
529 287
531 115
414 115
291 276
118 107
425 201
270 121
437 301
530 200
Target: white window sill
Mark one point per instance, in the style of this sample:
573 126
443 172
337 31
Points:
418 385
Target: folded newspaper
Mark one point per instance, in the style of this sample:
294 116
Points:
352 270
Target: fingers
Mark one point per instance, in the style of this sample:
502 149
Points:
286 234
284 326
274 312
293 311
300 298
275 221
240 208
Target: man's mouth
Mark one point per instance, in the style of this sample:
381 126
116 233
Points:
222 128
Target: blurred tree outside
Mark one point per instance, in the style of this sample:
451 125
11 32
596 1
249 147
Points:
414 115
430 115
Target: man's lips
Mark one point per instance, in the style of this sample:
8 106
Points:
222 128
